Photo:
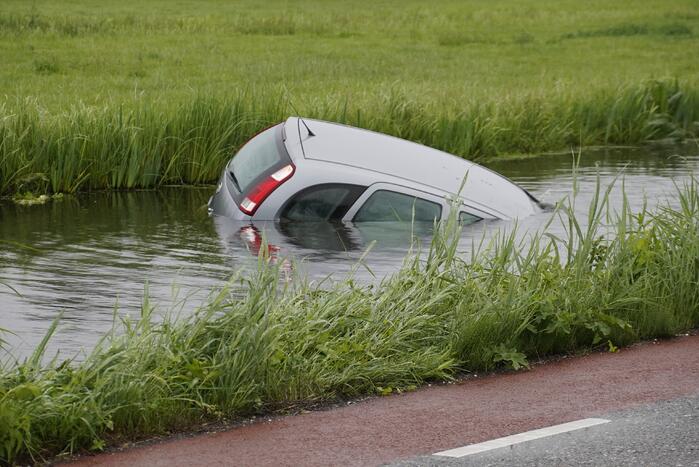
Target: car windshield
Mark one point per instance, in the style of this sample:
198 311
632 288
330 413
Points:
255 158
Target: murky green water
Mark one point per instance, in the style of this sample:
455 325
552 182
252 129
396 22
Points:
93 255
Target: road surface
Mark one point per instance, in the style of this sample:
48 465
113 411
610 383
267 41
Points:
645 398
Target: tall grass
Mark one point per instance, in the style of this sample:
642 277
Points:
114 147
35 23
262 344
153 143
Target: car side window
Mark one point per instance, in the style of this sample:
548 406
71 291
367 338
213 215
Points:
467 219
321 202
384 205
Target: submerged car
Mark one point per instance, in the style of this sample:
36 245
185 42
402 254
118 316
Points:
311 170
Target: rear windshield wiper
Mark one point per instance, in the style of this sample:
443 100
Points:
235 181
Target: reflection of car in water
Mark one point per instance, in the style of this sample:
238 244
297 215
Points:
308 170
269 238
253 240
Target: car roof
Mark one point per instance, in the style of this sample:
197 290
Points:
356 147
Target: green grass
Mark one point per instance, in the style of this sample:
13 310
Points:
188 143
264 343
128 94
113 50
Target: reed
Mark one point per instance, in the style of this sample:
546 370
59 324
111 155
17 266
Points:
263 344
150 143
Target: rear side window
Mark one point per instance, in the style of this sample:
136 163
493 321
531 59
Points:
321 203
386 205
467 219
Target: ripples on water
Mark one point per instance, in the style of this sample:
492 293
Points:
92 254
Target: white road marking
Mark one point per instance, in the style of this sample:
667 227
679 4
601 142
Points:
522 437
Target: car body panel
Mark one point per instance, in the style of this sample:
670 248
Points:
327 153
417 165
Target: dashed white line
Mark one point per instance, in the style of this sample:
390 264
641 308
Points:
521 437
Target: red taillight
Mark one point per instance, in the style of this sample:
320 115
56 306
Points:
258 194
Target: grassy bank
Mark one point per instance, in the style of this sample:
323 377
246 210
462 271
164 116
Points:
279 344
152 144
137 94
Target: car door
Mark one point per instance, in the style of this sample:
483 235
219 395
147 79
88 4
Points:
357 212
395 203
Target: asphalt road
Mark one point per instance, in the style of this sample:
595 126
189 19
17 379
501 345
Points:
660 434
628 388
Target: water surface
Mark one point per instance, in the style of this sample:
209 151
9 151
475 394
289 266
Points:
93 255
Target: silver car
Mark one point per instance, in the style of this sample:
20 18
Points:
311 170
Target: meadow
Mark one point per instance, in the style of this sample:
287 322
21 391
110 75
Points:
140 94
266 344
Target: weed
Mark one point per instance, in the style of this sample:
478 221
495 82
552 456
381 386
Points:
632 29
675 29
282 25
508 356
523 38
29 199
46 66
628 29
457 38
137 73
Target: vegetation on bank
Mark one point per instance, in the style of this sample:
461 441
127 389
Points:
262 343
87 148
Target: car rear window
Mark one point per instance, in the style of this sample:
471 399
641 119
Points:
386 205
256 157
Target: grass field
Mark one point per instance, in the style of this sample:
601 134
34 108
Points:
258 347
128 94
66 51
